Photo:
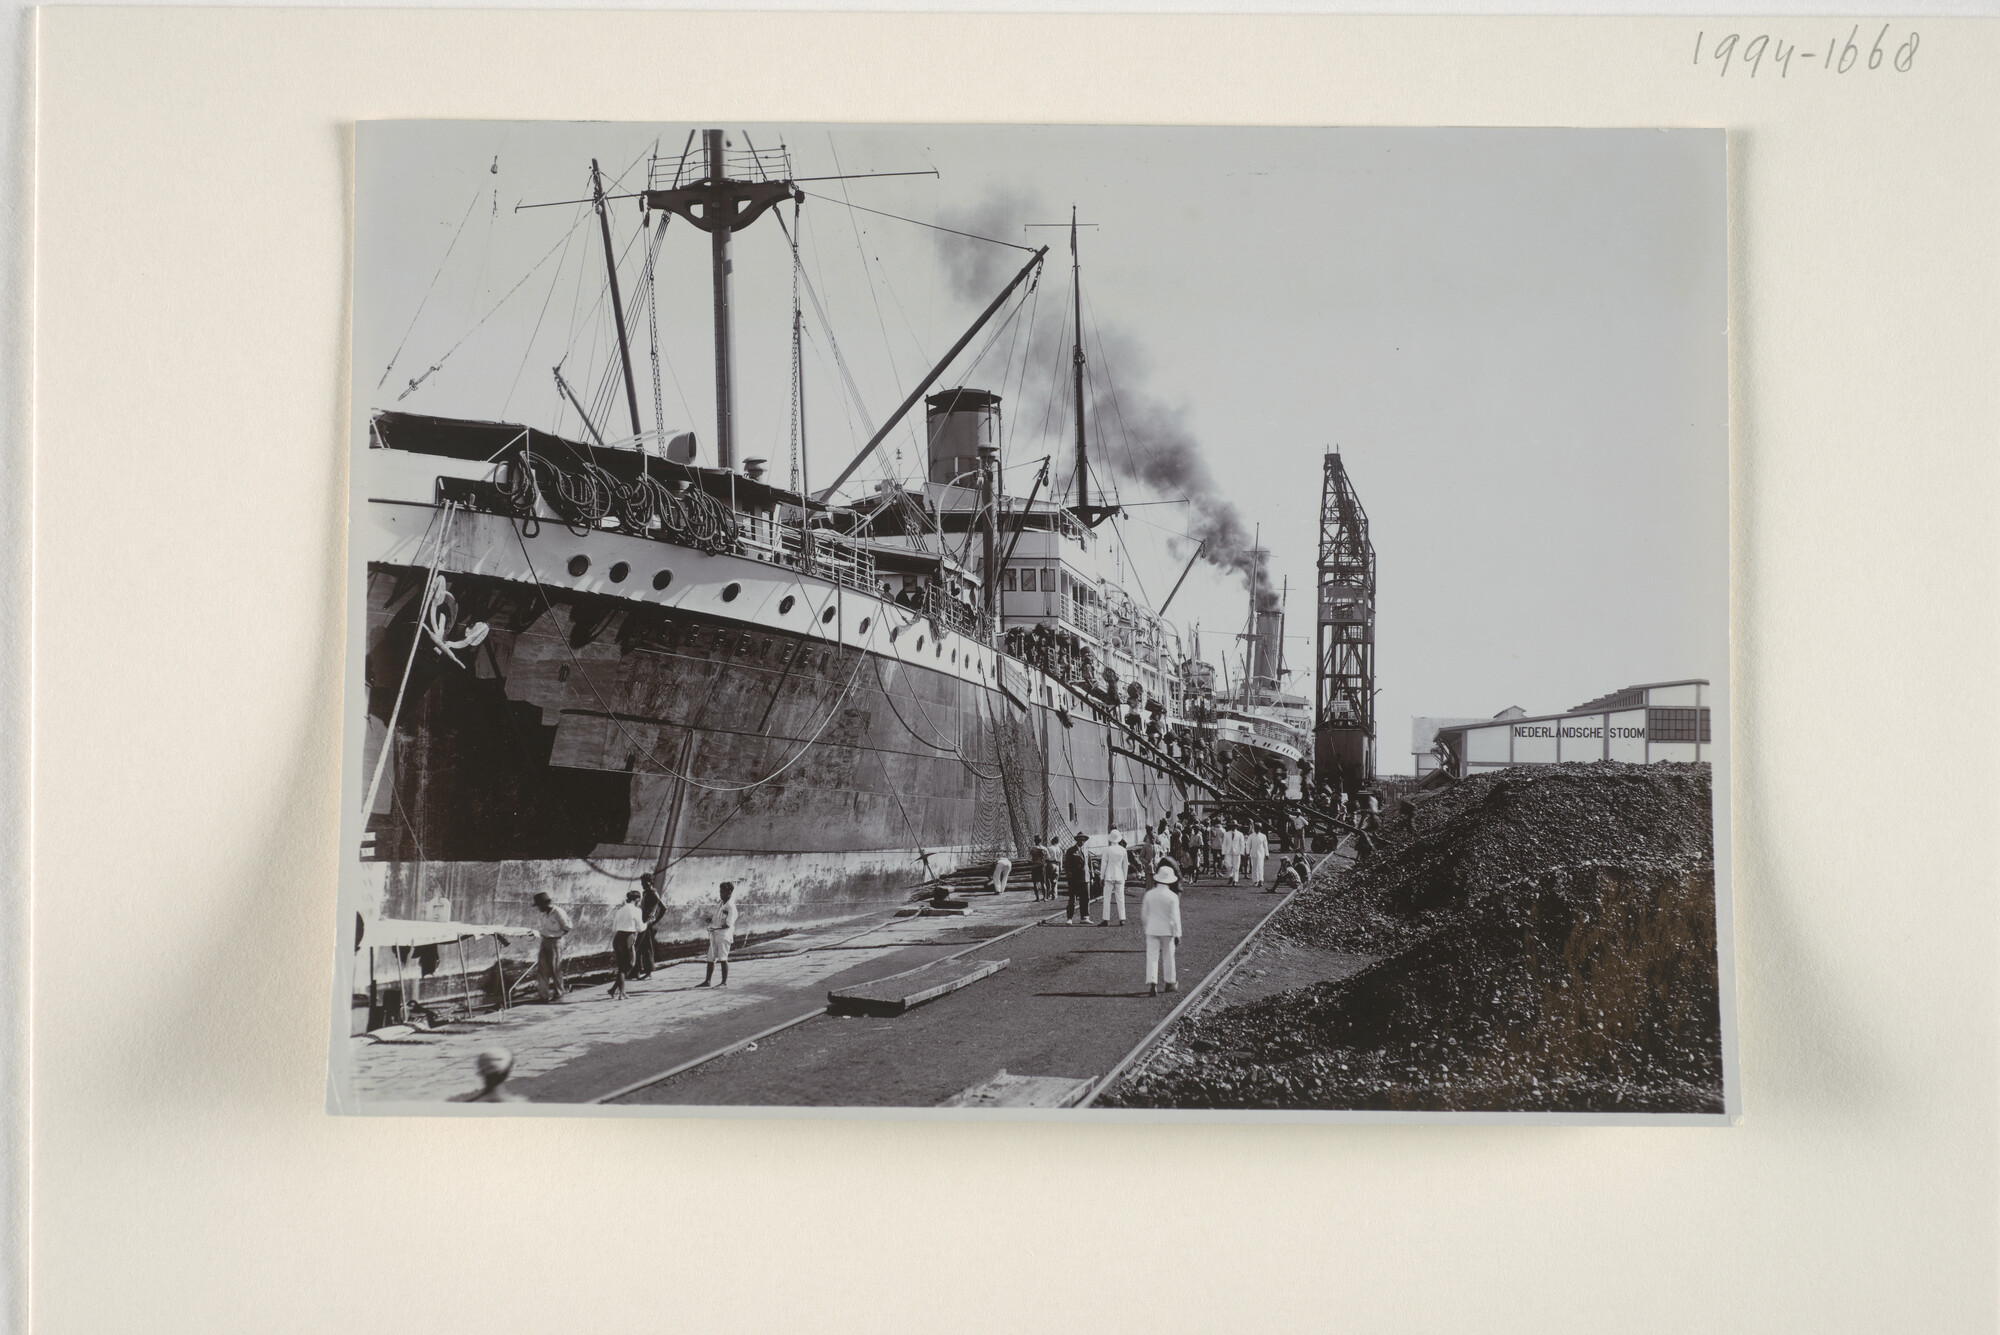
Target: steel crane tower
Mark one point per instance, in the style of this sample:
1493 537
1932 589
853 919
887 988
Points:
1344 675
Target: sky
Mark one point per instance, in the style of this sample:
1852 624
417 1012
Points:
1516 338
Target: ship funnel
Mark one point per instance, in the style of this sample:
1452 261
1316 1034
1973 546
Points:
1269 647
962 422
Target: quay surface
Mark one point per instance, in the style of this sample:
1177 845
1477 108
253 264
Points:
1071 1003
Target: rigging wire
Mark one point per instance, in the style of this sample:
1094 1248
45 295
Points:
554 280
438 365
653 323
846 408
840 360
880 321
877 463
439 273
971 236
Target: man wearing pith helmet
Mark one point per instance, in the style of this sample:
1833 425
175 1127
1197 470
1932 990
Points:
1160 916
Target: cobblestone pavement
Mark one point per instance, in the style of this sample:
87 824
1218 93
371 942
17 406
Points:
593 1044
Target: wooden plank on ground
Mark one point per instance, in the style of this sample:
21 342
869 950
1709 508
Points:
1020 1091
893 996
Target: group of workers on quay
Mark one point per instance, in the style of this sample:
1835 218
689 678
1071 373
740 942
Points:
1097 876
1164 861
632 943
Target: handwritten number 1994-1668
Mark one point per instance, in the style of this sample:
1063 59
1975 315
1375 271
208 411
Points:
1840 56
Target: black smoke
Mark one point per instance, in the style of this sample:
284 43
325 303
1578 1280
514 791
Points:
1136 433
977 270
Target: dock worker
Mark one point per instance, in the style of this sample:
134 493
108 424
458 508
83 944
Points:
721 922
1076 880
552 927
1038 864
626 924
1003 867
1232 854
1145 857
1160 916
1218 843
1260 848
1117 864
651 909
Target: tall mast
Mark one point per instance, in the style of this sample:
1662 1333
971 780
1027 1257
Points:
799 471
1250 636
989 568
725 336
1076 362
617 304
720 207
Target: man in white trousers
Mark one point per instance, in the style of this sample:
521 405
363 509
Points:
1260 848
1160 915
1232 853
1115 863
720 920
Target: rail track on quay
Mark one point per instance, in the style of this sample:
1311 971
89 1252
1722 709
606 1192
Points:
1058 1006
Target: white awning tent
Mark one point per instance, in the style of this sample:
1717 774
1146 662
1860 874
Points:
410 934
382 932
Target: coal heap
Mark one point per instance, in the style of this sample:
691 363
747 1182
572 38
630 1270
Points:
1543 940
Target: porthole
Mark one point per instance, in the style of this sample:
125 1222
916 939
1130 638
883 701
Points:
865 623
954 655
618 572
578 564
562 673
920 644
729 592
662 579
785 604
826 616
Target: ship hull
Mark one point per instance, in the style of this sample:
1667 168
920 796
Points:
826 766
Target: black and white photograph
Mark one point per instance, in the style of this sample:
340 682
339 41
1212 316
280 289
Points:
1080 622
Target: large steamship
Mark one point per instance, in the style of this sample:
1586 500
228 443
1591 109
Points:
595 655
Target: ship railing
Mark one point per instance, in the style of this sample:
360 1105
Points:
1085 618
949 614
832 559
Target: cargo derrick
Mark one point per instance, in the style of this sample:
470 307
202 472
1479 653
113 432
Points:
1344 674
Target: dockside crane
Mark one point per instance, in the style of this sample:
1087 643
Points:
1344 676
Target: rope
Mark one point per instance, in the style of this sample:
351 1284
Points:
590 493
416 639
955 747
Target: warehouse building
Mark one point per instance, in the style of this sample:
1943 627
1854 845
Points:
1424 734
1641 725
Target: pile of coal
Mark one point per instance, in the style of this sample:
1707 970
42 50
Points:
1543 939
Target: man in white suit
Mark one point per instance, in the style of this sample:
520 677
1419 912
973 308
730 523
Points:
1114 864
1232 853
1160 915
1260 848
